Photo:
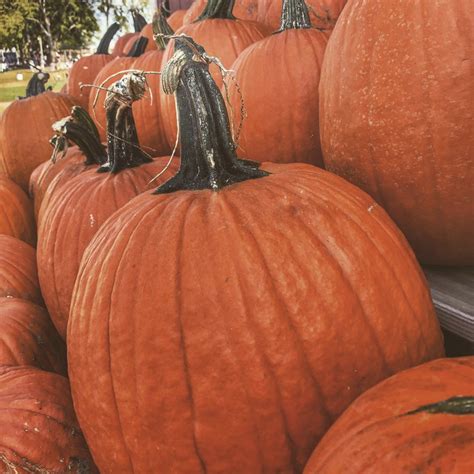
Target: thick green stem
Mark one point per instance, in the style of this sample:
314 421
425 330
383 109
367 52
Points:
294 15
451 406
123 148
36 85
138 47
161 29
104 44
218 9
208 157
139 21
80 129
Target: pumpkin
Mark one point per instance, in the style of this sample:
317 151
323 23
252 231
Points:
147 112
175 20
420 420
21 153
405 135
289 60
222 36
28 337
108 75
39 428
18 273
50 175
16 212
120 46
323 13
85 70
147 33
244 10
217 303
69 220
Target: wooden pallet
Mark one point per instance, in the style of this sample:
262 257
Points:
452 290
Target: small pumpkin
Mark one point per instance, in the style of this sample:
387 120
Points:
420 420
139 23
290 60
28 337
39 432
25 128
16 212
67 161
18 273
223 36
85 70
323 13
69 220
217 300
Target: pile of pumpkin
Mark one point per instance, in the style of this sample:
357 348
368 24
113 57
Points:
224 307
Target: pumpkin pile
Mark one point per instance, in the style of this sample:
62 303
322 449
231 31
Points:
227 302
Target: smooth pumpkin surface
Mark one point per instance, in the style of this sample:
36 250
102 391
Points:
288 123
28 337
396 115
25 130
18 273
39 431
407 423
323 13
176 19
122 41
16 212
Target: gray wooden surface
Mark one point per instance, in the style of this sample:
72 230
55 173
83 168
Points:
452 290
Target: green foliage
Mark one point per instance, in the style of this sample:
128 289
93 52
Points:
119 10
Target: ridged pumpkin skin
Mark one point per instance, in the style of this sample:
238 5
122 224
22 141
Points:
70 220
396 117
18 274
39 431
16 212
147 111
259 313
376 434
25 130
28 337
323 13
222 38
286 123
58 173
243 10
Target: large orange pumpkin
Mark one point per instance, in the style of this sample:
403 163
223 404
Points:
323 13
396 118
28 337
222 36
147 112
21 152
243 9
78 128
85 70
139 24
176 19
16 212
107 76
40 433
420 420
231 318
18 273
289 60
69 220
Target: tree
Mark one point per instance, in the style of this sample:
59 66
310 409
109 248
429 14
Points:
120 9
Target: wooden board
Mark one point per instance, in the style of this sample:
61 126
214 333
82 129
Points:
452 290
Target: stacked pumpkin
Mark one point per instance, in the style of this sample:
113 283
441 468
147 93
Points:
237 286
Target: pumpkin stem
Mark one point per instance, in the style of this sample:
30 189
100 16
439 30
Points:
208 157
294 15
138 47
451 406
36 85
80 129
123 148
217 9
139 21
104 44
161 29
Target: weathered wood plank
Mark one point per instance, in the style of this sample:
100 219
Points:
452 290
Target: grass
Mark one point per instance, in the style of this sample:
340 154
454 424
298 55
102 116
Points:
11 88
